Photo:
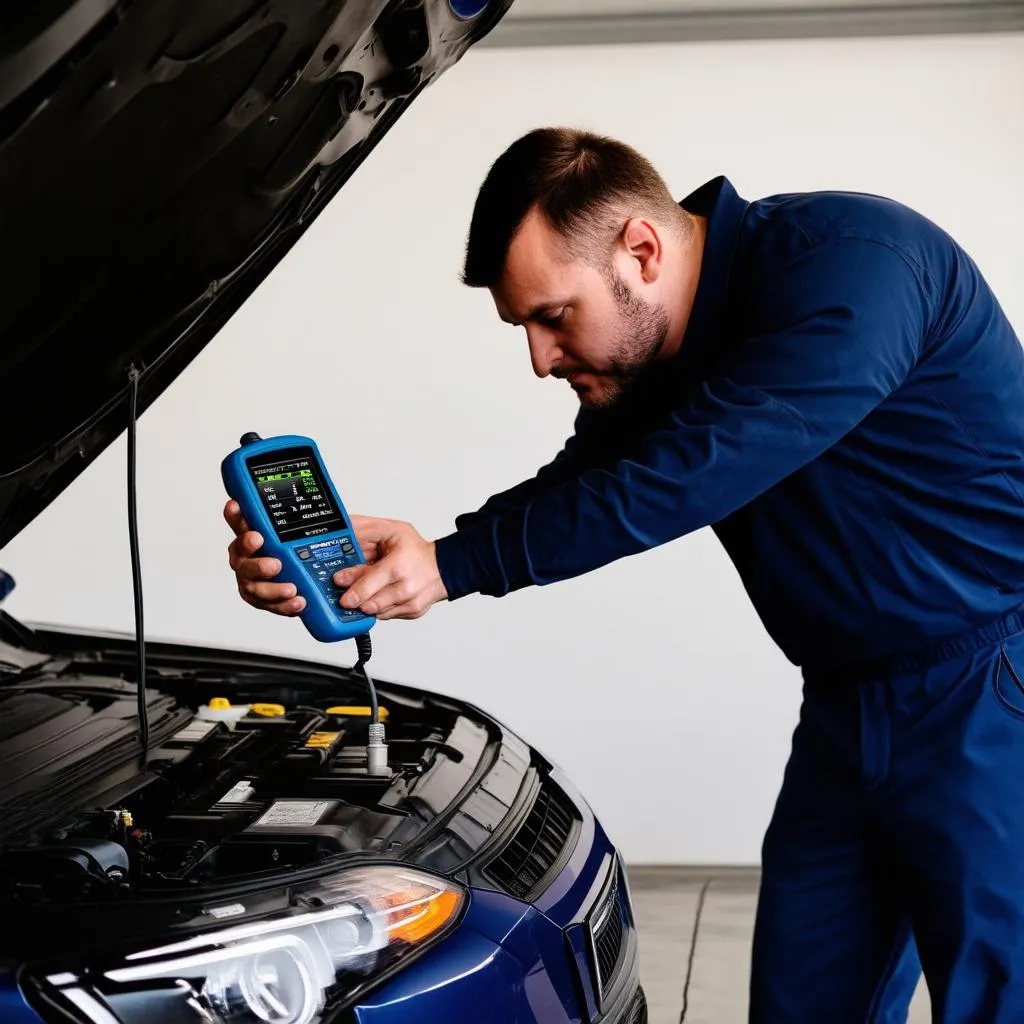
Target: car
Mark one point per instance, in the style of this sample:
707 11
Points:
190 834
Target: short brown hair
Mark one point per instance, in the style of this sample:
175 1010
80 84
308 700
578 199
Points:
581 182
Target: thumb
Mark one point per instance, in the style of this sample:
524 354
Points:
234 518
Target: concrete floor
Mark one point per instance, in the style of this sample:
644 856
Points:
666 902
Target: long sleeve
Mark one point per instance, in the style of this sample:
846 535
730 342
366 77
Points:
830 335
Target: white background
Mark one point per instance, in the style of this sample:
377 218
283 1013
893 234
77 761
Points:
651 681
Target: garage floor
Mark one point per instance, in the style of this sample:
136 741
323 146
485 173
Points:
666 903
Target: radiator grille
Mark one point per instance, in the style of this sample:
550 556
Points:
537 846
608 934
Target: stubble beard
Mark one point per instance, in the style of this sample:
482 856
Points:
643 331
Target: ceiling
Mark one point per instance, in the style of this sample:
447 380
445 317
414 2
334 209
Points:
576 22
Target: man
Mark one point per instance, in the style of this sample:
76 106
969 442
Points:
827 381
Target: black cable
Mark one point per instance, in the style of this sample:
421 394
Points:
364 646
133 535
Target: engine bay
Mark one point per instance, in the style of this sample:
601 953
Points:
237 783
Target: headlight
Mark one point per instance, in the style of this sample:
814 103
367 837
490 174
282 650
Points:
287 969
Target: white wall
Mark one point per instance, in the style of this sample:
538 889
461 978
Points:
652 681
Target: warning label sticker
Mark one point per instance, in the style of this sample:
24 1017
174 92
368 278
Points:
294 813
194 732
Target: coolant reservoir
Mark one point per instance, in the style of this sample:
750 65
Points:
220 709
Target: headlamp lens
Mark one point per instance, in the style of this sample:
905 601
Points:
280 970
275 985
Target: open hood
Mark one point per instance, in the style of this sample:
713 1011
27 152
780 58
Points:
157 159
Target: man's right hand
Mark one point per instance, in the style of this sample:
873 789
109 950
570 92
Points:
254 574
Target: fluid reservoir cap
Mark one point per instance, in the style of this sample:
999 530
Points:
220 709
267 710
349 711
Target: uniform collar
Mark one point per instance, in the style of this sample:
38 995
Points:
725 209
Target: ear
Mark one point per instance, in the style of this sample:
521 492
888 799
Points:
643 243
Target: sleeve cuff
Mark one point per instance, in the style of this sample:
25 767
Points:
469 564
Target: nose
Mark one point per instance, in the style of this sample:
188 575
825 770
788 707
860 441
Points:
544 350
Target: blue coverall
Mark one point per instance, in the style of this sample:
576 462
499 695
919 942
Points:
847 413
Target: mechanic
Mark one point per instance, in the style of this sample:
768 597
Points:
828 382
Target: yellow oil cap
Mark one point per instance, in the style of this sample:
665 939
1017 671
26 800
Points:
219 704
351 711
267 710
322 740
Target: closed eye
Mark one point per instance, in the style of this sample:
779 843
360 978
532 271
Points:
552 319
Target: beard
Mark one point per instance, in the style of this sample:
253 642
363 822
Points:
641 332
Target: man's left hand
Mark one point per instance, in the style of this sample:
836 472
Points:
401 578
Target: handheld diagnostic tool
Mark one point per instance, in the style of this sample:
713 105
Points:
285 493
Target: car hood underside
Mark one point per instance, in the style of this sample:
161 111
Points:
157 160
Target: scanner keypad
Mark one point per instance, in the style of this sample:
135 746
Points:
322 559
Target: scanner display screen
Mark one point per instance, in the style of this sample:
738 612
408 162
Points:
291 486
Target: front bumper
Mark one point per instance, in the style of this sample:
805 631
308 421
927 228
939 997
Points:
569 958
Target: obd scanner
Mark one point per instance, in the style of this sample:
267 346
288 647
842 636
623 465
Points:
287 496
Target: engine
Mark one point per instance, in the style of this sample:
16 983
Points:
231 793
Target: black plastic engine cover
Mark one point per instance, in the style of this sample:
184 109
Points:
55 748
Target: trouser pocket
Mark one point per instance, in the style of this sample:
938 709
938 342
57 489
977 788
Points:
1008 678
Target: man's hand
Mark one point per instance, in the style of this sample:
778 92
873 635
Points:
400 579
253 574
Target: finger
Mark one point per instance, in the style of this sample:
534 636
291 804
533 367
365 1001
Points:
293 606
369 580
290 607
267 593
422 599
388 597
244 546
258 568
235 519
346 577
408 610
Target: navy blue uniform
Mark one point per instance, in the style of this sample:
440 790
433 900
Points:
847 413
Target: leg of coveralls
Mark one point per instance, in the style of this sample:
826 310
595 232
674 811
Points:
957 814
831 940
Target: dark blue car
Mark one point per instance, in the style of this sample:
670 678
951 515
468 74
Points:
194 836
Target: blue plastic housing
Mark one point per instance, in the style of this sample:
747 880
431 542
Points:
307 561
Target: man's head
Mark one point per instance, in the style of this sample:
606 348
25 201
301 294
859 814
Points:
580 241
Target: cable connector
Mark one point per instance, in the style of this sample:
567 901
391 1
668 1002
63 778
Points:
376 747
377 751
